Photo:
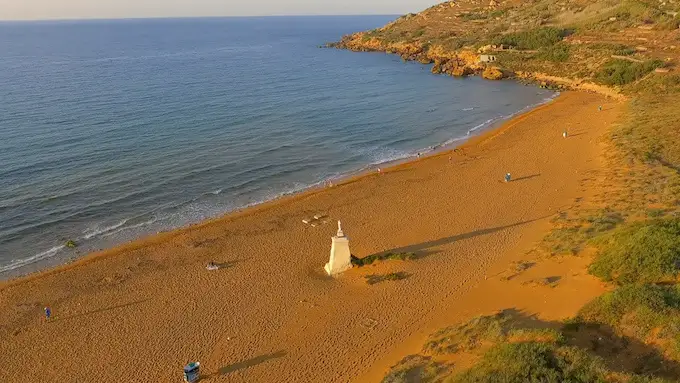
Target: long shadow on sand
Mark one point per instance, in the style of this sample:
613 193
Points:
100 310
526 177
423 250
250 363
230 264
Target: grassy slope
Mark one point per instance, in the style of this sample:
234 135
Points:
631 334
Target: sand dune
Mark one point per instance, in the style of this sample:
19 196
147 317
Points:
139 312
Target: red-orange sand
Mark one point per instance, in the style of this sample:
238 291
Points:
139 312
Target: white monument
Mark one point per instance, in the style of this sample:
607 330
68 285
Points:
341 258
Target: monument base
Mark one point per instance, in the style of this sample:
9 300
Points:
336 270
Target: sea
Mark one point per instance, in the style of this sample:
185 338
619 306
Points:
115 129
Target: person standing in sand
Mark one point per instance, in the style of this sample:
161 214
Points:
48 314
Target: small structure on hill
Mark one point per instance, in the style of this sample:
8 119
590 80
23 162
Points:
341 258
487 58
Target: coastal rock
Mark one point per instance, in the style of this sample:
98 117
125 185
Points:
492 73
461 71
438 65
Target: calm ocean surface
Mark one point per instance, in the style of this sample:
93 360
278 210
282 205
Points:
110 130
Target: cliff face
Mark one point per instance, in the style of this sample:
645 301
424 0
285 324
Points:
454 63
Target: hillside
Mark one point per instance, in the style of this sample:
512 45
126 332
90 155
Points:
625 49
577 39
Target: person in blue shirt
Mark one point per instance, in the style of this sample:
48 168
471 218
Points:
48 313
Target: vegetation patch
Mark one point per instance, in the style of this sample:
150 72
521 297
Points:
647 313
416 368
650 133
377 278
535 362
382 257
573 233
533 39
645 252
559 52
483 330
624 50
622 72
640 307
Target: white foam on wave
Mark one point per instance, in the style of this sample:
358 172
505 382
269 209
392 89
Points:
391 156
467 109
482 125
17 263
451 141
93 232
131 227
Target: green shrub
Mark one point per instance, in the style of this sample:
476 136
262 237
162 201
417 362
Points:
492 329
378 278
650 303
646 252
535 362
382 257
575 233
415 368
418 32
622 72
498 13
533 39
639 311
624 50
473 16
559 52
470 335
668 23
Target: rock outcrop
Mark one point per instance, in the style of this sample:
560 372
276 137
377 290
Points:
492 73
460 63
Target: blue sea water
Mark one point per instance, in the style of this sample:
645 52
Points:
110 130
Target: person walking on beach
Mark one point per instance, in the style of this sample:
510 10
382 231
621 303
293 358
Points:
599 108
565 134
507 177
48 313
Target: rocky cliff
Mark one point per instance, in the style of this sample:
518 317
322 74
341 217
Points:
455 63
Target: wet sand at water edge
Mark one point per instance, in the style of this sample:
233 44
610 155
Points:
139 312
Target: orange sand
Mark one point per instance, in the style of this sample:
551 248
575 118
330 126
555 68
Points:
139 312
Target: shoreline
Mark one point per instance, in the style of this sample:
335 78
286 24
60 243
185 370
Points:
64 260
271 314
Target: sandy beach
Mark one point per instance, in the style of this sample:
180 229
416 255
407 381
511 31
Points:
139 312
